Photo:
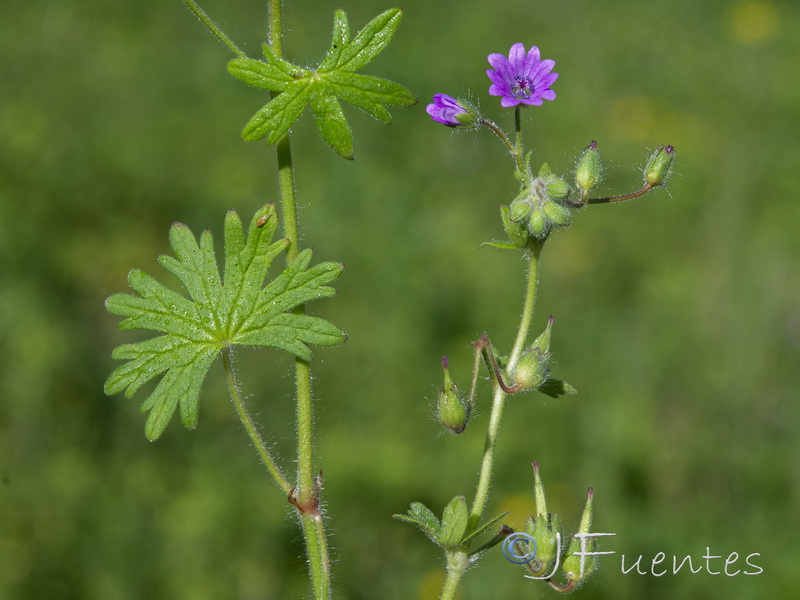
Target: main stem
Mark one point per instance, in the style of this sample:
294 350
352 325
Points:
458 560
534 252
306 494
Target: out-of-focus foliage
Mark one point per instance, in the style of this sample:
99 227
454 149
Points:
678 313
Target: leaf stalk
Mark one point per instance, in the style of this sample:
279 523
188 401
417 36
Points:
249 425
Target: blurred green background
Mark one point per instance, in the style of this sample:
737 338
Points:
677 315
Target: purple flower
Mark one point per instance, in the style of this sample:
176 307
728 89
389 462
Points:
446 109
521 78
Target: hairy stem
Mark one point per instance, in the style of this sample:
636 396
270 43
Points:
501 134
646 188
457 563
456 568
306 495
249 425
487 462
212 27
528 306
317 550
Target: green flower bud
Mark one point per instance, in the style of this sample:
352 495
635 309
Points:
533 366
453 413
545 529
588 175
538 224
472 118
557 213
531 370
577 566
518 234
558 189
542 343
657 169
520 208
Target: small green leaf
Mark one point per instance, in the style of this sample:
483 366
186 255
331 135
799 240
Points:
454 522
235 309
422 517
555 388
333 79
259 74
483 528
331 123
501 245
275 119
339 40
370 41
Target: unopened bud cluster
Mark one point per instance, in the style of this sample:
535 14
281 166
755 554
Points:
552 549
540 206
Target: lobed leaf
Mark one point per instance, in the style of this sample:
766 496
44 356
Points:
370 41
233 309
334 79
423 518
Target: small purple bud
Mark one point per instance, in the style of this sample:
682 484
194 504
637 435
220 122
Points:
451 112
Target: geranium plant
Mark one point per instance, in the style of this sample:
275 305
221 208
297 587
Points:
232 301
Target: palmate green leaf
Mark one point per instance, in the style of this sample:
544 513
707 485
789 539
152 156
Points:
233 309
333 80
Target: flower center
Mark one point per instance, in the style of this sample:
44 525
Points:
521 87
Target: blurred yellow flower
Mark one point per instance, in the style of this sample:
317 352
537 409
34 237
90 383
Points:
752 23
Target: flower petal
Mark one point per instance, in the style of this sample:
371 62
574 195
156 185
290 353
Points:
548 95
546 81
499 62
508 101
532 60
496 78
516 56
